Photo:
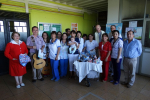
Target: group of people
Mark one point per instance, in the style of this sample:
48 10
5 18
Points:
65 48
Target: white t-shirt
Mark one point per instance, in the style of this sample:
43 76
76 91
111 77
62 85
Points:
90 45
73 44
53 47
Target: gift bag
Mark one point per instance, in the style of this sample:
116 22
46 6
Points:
24 59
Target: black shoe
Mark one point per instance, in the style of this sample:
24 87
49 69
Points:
33 80
124 83
129 86
42 79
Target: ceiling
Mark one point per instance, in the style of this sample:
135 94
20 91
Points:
92 5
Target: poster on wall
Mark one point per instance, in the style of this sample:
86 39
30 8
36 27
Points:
74 26
133 24
137 32
118 27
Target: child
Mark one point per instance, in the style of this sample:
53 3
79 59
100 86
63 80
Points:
73 46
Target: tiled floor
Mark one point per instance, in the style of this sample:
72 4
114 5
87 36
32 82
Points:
72 90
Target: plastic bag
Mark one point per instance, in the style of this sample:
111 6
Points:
24 59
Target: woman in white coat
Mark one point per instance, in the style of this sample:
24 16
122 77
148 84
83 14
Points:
79 34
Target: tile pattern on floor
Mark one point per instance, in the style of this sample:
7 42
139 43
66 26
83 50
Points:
66 89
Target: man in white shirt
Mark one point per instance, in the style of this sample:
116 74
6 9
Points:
110 36
98 34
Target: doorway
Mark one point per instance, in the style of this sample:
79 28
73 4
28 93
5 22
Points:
11 22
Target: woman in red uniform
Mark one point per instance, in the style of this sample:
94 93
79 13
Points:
12 52
104 54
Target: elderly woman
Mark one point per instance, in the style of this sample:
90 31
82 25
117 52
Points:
63 55
12 52
54 47
104 54
91 45
117 45
79 34
73 57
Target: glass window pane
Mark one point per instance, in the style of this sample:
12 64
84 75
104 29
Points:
22 23
1 28
16 29
16 23
2 43
19 29
1 22
24 29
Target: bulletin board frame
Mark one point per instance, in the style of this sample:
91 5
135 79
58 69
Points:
51 25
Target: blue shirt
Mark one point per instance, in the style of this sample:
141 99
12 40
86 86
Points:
132 49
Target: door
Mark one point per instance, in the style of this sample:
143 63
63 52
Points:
3 40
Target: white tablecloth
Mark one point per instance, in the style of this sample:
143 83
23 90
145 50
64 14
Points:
84 68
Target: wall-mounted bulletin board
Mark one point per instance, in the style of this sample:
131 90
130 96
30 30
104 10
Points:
48 27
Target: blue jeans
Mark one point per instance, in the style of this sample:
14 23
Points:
63 67
54 65
117 69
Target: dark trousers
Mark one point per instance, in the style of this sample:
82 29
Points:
117 69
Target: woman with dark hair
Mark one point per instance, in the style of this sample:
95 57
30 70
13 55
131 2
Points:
12 52
91 45
46 40
73 57
79 34
59 34
63 55
54 47
84 37
116 58
104 54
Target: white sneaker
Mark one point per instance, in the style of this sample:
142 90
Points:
18 86
22 84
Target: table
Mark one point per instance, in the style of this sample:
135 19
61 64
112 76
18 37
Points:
84 68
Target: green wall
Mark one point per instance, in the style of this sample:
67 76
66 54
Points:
85 22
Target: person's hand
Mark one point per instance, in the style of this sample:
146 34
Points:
25 53
14 59
72 49
47 54
34 47
92 50
41 50
106 59
117 61
56 58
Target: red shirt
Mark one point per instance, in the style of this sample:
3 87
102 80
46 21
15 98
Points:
104 51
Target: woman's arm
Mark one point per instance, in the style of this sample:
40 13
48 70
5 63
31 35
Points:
119 53
58 51
83 49
108 54
7 52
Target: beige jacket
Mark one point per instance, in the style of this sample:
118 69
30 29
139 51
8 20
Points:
97 36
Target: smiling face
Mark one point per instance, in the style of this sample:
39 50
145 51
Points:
16 37
78 35
73 34
105 38
53 36
130 35
64 37
59 35
35 31
44 36
98 28
90 37
72 39
115 35
113 28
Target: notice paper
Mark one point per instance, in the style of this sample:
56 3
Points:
40 54
133 24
